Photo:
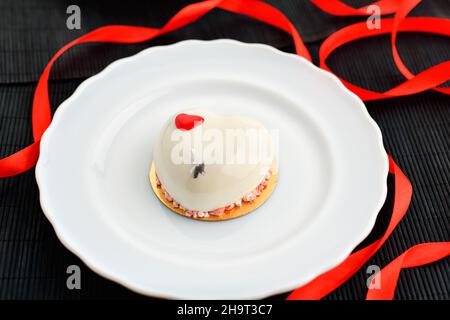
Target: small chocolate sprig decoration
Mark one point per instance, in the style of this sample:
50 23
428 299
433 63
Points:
198 169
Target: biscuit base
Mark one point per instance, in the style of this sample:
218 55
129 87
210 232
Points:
236 212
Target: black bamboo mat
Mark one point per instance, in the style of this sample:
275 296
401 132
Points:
416 130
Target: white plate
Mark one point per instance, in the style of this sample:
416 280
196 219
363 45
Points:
95 157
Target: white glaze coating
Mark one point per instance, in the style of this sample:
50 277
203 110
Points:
221 183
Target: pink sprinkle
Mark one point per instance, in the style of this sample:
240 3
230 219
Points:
190 213
168 197
249 197
217 212
231 206
201 214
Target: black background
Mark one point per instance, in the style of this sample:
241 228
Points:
416 129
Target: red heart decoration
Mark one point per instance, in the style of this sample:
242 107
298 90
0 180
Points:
184 121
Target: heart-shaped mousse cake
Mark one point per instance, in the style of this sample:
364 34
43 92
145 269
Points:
209 166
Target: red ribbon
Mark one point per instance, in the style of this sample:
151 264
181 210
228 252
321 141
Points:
413 257
26 158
